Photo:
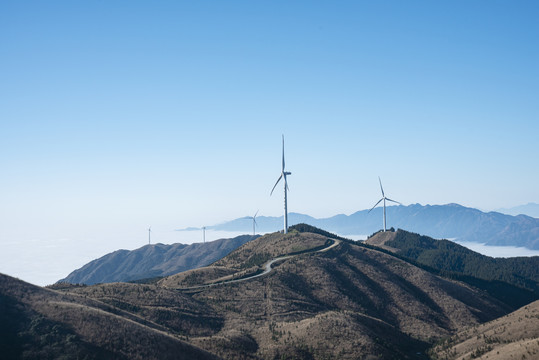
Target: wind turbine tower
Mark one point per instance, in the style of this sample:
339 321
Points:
283 176
384 198
204 234
254 222
149 235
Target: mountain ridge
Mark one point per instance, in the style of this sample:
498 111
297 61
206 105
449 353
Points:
155 260
351 301
346 301
456 261
450 221
529 209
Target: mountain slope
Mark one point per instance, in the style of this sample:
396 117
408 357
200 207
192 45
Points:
38 323
452 258
347 302
153 261
514 336
326 298
438 221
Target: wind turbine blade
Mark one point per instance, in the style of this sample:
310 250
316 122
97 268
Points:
286 183
388 199
283 153
376 204
279 179
381 188
256 214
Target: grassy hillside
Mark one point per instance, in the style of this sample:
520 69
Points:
514 336
347 302
38 323
330 298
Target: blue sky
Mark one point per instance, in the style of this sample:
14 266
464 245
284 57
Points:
115 115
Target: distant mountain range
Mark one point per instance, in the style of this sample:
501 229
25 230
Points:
153 261
530 209
451 221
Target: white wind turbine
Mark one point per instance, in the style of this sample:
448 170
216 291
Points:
283 176
383 198
254 222
149 234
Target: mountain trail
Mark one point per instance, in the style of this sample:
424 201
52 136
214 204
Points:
267 268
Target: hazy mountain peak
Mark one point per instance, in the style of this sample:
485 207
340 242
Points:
153 260
530 209
452 221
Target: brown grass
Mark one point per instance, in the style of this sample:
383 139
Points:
512 336
92 329
347 303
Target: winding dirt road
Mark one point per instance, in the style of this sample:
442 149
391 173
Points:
267 268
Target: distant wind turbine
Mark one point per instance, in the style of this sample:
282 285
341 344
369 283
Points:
283 176
149 235
383 198
204 234
254 222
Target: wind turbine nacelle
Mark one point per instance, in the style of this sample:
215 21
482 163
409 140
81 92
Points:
287 173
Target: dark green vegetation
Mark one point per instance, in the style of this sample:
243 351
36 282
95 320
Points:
153 261
512 280
347 301
448 256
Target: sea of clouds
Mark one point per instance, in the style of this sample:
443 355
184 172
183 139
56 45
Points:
44 261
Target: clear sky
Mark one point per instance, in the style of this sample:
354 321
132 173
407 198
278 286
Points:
117 115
